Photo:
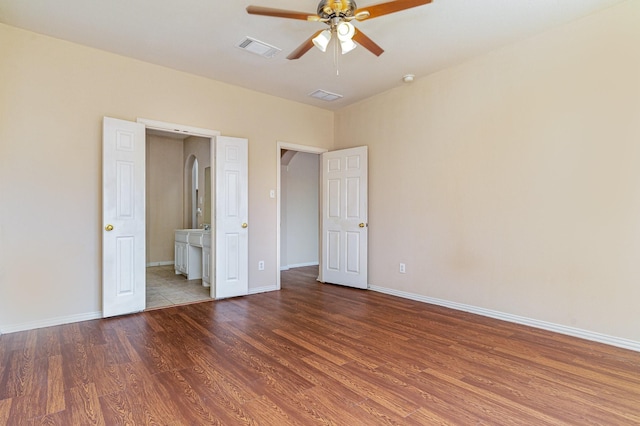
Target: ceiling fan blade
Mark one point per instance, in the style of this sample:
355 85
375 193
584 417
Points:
364 41
304 47
278 13
388 7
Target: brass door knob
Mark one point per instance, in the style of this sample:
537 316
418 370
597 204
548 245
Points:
244 225
109 227
362 225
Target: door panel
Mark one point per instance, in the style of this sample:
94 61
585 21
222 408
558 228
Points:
333 251
353 252
123 243
353 198
344 217
232 212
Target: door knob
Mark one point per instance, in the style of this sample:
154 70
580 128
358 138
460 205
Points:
362 225
244 225
109 227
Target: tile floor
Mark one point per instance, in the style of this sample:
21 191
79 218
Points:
165 288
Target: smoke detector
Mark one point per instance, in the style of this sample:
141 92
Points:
408 78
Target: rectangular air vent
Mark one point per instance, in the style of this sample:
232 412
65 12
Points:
258 47
324 95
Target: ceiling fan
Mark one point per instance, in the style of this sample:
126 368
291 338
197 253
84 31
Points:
338 14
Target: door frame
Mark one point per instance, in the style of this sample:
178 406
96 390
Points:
300 148
178 128
190 131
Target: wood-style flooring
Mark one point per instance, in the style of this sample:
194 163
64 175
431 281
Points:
312 354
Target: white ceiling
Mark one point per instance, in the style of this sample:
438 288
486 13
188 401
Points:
199 37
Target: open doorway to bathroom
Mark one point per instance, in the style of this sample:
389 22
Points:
178 196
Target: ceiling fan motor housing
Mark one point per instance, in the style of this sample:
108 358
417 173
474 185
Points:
328 9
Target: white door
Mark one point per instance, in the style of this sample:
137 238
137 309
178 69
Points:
344 217
123 198
232 215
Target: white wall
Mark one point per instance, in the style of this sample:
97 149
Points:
511 183
299 212
53 96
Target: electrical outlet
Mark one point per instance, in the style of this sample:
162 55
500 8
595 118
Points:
403 268
261 265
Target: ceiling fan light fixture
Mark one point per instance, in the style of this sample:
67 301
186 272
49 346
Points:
321 41
345 31
347 46
338 14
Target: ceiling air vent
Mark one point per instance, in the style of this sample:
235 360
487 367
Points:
258 47
324 95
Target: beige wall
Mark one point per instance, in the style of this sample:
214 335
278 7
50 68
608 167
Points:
512 182
53 95
164 193
509 183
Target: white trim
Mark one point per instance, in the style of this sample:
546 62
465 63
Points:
292 147
50 322
263 289
301 148
557 328
163 263
178 128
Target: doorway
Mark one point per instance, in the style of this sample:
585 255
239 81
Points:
223 261
175 199
343 214
299 201
298 211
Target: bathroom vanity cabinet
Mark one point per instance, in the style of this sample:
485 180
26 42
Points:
193 254
206 258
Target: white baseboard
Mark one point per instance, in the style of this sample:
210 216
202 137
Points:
263 289
163 263
13 328
298 265
49 322
558 328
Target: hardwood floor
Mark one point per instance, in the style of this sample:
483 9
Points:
312 354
